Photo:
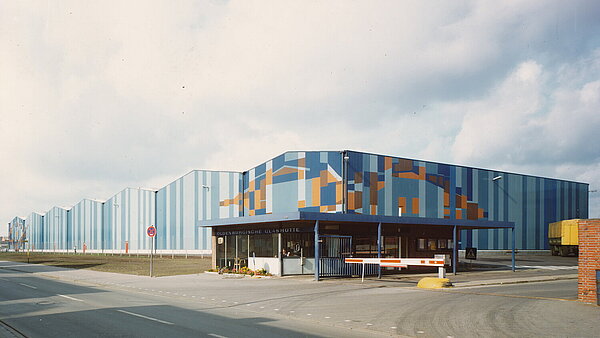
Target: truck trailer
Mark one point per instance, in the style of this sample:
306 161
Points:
563 237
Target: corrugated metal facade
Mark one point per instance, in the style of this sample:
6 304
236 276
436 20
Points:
199 195
87 224
57 227
295 180
315 181
16 233
125 218
35 229
380 185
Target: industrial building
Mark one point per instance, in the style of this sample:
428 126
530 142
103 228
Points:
415 205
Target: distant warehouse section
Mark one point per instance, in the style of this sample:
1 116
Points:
186 211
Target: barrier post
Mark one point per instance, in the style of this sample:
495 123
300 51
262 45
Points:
363 273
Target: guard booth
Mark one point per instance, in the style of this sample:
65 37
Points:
318 243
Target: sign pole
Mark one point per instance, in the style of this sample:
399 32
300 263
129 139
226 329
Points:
151 254
151 232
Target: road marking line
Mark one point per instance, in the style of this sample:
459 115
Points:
145 317
71 298
4 279
29 286
216 335
509 296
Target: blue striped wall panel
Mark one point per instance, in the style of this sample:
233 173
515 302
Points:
198 195
87 224
125 218
380 185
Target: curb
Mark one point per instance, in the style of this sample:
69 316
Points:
505 282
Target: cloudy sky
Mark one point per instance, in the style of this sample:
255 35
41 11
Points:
98 96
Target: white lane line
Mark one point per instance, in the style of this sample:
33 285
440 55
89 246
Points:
27 285
71 298
4 279
216 335
145 317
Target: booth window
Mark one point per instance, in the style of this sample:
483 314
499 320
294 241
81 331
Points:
442 244
433 244
365 246
264 245
421 244
298 245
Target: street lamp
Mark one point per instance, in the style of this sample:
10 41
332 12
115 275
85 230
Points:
499 177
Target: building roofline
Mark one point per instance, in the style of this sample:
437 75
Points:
194 170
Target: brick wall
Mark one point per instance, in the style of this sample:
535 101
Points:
589 259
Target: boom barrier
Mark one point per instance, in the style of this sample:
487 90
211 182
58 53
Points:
438 260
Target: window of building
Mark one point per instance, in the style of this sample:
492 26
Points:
421 243
264 245
298 244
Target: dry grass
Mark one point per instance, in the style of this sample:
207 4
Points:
166 266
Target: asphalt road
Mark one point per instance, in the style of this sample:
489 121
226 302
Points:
39 307
76 303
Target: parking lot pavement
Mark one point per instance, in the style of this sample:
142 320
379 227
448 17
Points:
494 269
391 305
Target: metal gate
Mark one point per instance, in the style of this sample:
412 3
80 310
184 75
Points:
332 252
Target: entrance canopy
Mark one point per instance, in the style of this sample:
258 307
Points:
355 218
348 221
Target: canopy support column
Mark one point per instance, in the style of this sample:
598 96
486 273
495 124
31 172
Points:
454 250
317 251
379 248
513 248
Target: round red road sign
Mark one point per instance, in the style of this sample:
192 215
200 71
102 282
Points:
151 231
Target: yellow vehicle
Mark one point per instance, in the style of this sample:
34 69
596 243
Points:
563 237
